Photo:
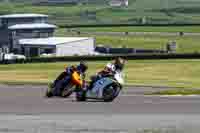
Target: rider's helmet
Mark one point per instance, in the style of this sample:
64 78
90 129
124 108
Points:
110 67
119 63
82 67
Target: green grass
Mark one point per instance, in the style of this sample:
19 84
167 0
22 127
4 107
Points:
172 29
103 14
186 44
171 73
177 92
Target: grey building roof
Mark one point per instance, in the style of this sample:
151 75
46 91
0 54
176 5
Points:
22 15
50 41
32 26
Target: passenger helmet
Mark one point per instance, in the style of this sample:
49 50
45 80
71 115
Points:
119 63
111 67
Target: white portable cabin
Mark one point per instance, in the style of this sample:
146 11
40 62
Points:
60 46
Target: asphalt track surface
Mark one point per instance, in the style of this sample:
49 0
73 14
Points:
25 109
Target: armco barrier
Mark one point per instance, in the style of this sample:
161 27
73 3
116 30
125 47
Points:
103 58
106 50
124 25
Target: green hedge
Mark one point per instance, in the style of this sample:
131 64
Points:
103 58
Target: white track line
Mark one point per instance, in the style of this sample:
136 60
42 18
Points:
129 95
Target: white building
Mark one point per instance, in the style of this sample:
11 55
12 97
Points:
17 26
59 46
32 35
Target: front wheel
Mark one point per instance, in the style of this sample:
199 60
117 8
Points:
49 90
111 92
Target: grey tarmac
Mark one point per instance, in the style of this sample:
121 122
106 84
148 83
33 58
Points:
24 108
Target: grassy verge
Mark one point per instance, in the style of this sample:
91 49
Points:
171 73
153 11
186 44
173 29
177 92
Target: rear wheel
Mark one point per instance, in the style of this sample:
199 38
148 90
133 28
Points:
68 90
111 92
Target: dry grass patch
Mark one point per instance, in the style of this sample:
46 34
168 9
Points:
172 73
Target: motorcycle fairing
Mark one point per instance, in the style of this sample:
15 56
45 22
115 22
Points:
99 86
